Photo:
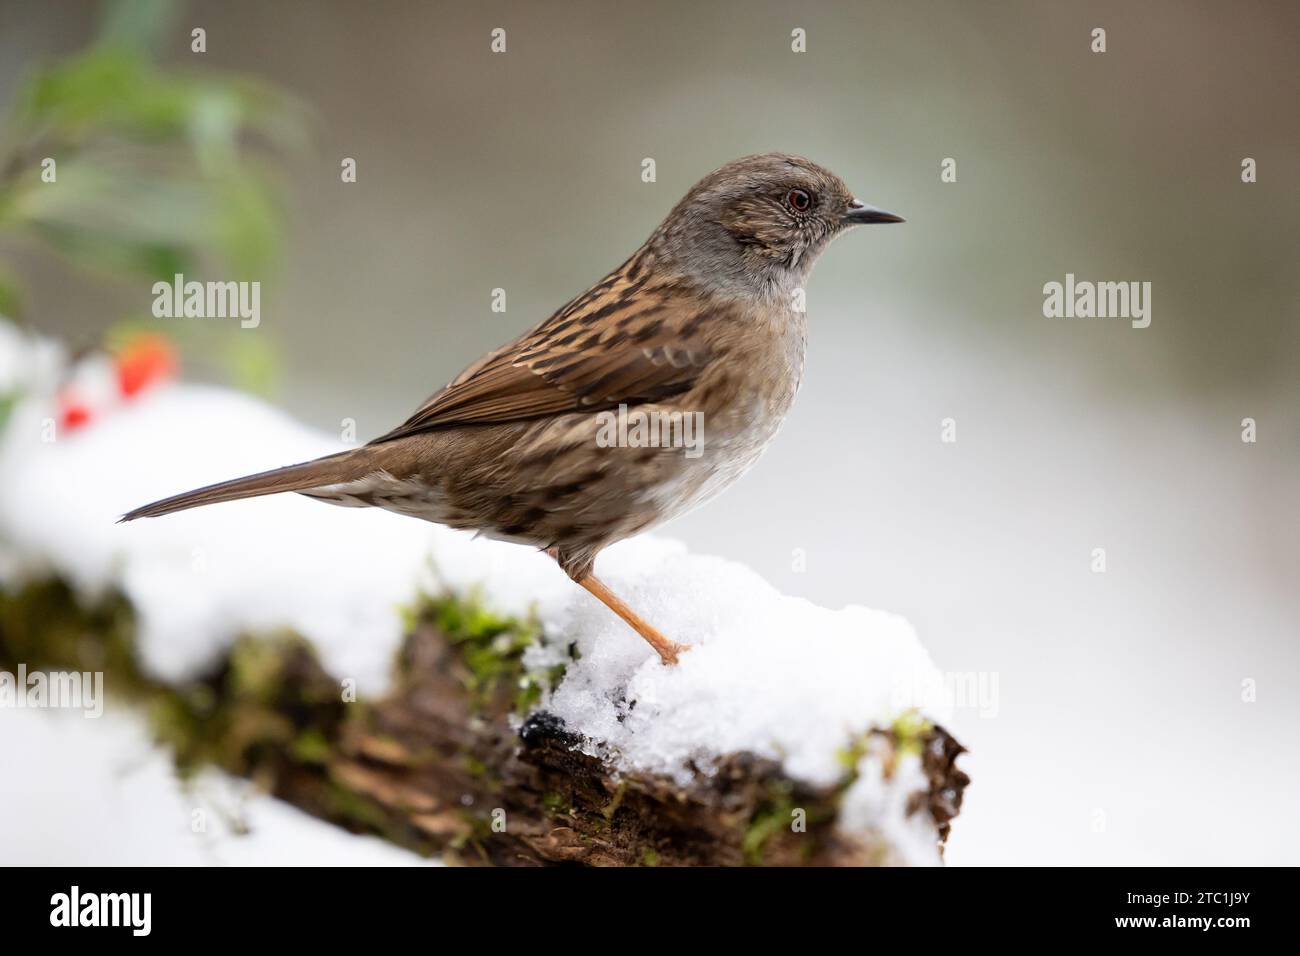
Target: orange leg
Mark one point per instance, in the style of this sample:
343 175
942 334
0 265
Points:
668 650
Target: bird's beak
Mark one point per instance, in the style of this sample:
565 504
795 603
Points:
859 213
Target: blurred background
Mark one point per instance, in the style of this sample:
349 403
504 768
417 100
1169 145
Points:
1120 733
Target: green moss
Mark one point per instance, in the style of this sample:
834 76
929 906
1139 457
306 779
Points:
44 624
649 857
271 707
554 802
179 727
910 732
849 757
360 811
773 815
311 746
256 669
907 735
492 648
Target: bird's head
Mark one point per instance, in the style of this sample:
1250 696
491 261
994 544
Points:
759 223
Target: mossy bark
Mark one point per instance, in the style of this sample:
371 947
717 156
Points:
440 764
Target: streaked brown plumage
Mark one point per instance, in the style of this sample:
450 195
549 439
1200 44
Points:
702 318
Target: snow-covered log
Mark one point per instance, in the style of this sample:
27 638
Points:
441 764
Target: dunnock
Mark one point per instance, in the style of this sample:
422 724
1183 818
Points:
704 320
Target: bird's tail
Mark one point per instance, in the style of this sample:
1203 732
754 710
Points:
330 470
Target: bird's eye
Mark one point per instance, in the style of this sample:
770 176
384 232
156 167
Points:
798 200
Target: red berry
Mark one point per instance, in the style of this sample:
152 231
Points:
143 362
73 414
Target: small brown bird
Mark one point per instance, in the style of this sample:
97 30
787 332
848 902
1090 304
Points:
704 324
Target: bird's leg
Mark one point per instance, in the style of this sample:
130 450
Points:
668 650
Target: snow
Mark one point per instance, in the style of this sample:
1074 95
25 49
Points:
767 673
112 798
197 580
27 362
878 802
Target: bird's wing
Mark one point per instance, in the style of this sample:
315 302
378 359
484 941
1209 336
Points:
617 343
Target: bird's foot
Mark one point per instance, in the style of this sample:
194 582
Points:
668 650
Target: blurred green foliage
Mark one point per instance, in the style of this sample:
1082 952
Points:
156 172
